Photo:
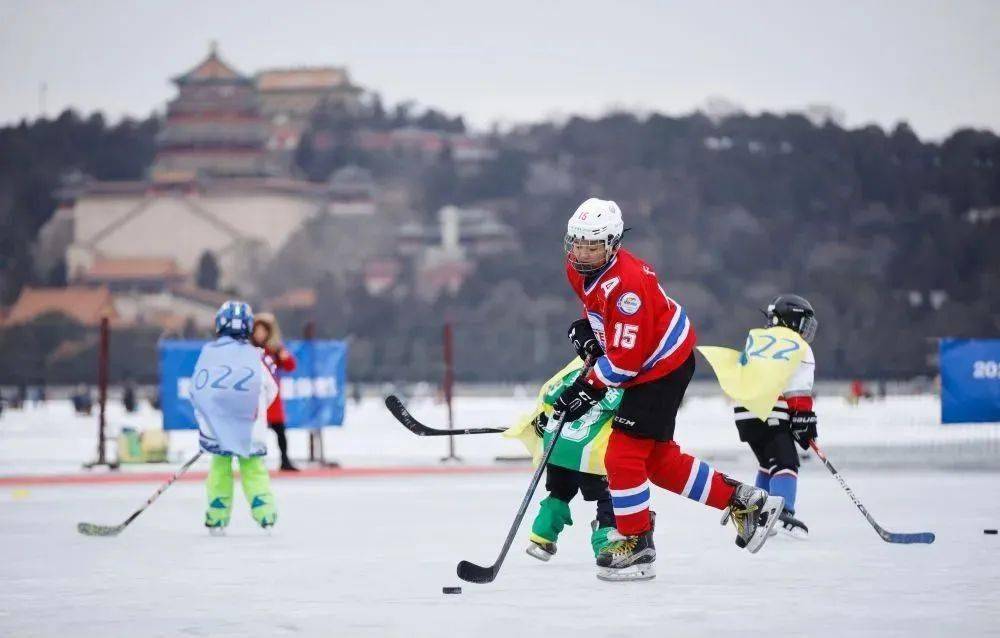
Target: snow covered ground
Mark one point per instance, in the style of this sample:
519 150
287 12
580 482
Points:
367 556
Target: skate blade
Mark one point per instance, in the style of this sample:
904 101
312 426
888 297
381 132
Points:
772 507
537 552
635 572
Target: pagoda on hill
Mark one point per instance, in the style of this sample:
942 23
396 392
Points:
213 126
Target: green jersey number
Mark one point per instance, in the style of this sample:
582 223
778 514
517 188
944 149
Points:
579 429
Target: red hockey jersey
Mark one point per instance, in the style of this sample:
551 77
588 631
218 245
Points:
645 334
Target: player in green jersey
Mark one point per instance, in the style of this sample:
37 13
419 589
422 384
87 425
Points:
576 464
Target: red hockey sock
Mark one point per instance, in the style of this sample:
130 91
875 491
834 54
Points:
628 483
683 474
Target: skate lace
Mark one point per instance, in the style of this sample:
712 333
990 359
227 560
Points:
624 547
739 517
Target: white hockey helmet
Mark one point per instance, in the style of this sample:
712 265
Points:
596 222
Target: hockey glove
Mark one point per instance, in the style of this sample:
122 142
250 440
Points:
539 423
576 400
584 340
803 426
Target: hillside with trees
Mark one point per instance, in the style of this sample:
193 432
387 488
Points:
891 237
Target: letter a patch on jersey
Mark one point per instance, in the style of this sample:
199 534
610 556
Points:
610 285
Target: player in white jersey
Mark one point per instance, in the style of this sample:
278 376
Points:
231 390
791 420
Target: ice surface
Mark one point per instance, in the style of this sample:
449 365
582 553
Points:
368 557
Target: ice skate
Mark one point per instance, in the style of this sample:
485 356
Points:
218 528
540 548
553 516
754 513
791 526
627 557
266 521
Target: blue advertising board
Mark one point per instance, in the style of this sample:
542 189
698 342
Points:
970 380
314 393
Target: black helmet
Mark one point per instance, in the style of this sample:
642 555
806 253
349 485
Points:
793 311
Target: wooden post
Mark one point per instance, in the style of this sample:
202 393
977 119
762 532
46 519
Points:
448 388
103 363
102 389
315 449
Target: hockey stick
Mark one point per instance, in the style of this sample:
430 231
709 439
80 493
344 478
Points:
473 573
92 529
889 537
402 415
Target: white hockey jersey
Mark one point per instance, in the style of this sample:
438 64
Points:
230 391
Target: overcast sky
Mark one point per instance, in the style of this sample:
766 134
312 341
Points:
933 64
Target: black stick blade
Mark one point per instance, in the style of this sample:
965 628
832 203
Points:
90 529
395 406
472 573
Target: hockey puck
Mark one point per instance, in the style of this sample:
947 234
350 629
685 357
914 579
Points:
451 590
989 531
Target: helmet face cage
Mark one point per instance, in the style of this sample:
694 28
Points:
611 245
807 328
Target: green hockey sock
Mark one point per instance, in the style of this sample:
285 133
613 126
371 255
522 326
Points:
219 489
599 539
553 515
257 489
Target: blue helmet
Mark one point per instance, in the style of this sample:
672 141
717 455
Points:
234 319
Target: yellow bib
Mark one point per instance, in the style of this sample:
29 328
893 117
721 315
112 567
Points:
524 431
755 377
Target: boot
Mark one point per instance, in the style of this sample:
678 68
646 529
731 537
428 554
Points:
600 536
553 516
754 513
257 489
219 490
792 526
627 557
540 548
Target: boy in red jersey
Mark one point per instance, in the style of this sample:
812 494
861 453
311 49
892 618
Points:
642 341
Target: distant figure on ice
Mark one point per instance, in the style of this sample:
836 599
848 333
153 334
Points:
230 390
643 343
267 335
858 391
129 400
771 381
83 403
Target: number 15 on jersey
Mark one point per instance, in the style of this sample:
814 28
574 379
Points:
625 334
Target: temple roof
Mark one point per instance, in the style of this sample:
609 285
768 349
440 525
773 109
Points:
120 269
85 305
211 69
302 79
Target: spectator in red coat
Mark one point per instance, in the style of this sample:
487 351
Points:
267 335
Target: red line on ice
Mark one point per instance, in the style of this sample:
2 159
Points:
199 475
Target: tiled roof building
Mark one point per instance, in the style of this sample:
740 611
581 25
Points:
85 305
